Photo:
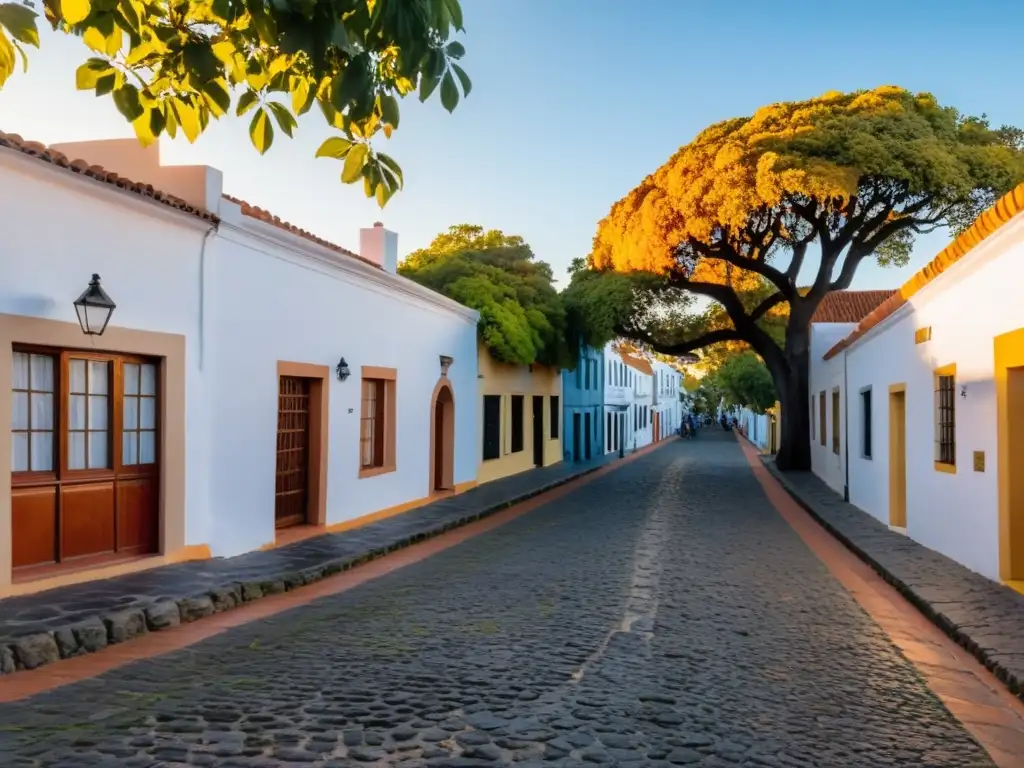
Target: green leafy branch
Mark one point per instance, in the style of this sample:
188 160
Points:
175 65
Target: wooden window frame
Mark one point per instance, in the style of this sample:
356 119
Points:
115 417
41 476
483 429
555 414
867 414
822 419
389 376
837 409
512 424
945 461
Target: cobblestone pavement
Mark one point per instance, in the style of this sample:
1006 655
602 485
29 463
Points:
663 614
984 616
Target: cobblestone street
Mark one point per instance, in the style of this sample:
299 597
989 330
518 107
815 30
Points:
662 614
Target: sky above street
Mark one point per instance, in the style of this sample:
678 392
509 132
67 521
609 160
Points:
573 103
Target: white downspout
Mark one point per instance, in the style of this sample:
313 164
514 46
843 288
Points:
846 437
202 295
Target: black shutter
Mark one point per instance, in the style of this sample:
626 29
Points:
492 426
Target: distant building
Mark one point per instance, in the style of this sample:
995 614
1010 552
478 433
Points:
521 421
583 392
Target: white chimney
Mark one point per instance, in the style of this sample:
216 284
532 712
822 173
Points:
380 246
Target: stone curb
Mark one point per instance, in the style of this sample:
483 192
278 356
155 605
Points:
94 634
1009 678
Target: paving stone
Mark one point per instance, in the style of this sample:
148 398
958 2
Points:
91 634
984 616
748 663
7 665
162 615
36 650
125 625
67 644
195 608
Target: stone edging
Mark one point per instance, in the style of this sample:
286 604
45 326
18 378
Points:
1012 682
94 634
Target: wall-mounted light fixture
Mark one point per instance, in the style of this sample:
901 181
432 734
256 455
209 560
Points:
94 308
342 370
963 391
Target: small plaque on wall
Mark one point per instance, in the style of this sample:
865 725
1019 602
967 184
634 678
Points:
921 335
979 461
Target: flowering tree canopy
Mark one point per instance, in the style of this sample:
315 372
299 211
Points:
735 215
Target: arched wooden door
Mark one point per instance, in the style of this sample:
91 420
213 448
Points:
442 438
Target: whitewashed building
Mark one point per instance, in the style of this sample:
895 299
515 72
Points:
255 384
932 424
666 407
618 400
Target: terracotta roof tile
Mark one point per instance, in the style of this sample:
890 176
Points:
1006 208
255 212
638 363
848 306
99 173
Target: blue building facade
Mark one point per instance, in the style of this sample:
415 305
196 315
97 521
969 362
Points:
583 409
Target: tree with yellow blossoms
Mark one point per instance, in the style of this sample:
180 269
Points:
745 210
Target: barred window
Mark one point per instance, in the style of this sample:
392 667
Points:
371 437
945 421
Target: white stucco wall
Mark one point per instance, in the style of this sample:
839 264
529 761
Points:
974 301
827 376
280 298
59 228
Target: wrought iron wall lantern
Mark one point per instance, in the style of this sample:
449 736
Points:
94 308
342 370
963 391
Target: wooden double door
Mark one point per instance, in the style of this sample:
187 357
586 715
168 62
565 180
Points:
85 460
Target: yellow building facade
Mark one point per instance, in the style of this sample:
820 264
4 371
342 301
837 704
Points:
520 424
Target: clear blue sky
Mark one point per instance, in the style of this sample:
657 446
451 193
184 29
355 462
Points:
575 101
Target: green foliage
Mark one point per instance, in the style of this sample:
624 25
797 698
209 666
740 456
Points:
175 65
522 319
744 380
602 305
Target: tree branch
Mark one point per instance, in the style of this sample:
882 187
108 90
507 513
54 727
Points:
762 309
705 340
728 254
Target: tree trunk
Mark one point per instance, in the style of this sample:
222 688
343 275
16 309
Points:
794 396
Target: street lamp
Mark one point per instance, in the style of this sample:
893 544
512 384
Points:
94 308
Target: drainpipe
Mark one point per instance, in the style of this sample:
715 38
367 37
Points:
202 294
846 437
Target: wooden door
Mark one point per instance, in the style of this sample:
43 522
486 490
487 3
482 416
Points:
898 459
85 474
292 499
439 444
576 437
657 426
538 431
588 431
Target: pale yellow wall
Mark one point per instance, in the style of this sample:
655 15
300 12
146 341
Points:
506 380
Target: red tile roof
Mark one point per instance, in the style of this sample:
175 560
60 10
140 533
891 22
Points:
1006 208
99 173
255 212
848 306
638 363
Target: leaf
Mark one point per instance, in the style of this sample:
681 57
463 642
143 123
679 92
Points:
449 92
427 85
389 109
127 100
218 96
455 49
200 61
106 83
246 102
302 96
20 22
392 166
284 117
75 11
265 25
335 147
261 131
384 192
467 84
143 128
187 118
87 74
455 11
354 162
6 57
